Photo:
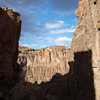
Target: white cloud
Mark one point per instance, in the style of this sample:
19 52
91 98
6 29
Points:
72 27
33 45
29 45
30 23
43 46
56 24
60 31
63 41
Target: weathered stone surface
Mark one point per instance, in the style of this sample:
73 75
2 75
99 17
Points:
10 25
81 8
82 83
41 65
83 80
86 49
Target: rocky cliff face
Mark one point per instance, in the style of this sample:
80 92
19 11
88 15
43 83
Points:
41 65
82 81
10 25
86 49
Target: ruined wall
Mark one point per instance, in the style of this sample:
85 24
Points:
86 38
83 80
10 25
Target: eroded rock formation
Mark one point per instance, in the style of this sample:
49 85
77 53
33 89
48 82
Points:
41 65
10 25
83 80
86 49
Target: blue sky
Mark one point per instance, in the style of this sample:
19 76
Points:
45 22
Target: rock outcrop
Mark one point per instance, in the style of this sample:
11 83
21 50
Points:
10 26
82 78
86 49
41 65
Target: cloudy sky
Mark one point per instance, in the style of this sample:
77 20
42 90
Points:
45 22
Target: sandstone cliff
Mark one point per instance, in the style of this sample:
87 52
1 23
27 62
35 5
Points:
82 81
86 49
41 65
10 25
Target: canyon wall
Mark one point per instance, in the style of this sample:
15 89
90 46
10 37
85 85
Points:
41 65
10 26
80 80
83 77
85 50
